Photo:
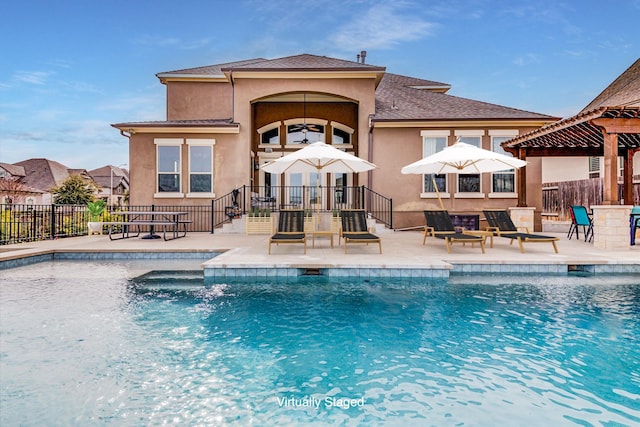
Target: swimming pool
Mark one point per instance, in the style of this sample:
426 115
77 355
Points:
83 343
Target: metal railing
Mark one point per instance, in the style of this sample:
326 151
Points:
323 199
28 223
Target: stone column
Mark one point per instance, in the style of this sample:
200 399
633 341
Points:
611 227
522 217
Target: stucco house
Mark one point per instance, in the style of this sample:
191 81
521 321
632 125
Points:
223 121
37 177
12 188
113 184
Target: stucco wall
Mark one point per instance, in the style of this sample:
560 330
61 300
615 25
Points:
394 148
361 91
198 100
232 167
557 169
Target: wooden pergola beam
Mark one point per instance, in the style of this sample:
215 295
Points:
618 125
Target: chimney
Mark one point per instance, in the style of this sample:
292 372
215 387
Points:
363 55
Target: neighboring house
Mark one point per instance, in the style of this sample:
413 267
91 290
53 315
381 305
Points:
44 174
624 91
113 184
12 188
224 121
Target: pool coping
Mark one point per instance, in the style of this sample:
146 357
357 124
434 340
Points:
223 264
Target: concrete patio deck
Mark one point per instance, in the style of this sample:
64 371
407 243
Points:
403 254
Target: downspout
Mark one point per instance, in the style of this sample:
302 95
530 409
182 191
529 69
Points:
370 153
233 97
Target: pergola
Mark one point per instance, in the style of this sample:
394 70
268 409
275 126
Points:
605 131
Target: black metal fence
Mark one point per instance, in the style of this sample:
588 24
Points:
322 199
28 223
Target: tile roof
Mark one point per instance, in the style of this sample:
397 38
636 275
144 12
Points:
213 69
397 99
303 62
44 174
622 92
13 170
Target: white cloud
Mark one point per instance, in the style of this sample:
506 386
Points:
32 77
382 26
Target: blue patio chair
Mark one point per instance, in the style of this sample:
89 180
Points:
580 218
634 223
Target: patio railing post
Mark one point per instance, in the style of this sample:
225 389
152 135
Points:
52 231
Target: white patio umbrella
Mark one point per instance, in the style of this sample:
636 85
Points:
319 158
462 158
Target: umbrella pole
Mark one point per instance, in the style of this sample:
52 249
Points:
433 178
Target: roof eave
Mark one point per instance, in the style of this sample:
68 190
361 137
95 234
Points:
133 128
444 122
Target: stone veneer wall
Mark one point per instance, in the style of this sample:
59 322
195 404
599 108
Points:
611 227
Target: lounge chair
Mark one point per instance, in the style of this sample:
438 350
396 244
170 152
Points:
290 229
580 218
440 225
354 228
501 224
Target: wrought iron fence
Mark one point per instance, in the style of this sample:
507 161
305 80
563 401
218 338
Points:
27 223
310 198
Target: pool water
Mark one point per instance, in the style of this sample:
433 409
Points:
86 343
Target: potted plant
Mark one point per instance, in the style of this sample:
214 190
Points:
96 209
259 221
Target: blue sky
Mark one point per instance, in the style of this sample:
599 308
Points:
69 69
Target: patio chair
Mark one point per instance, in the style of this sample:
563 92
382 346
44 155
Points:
500 223
580 218
634 223
290 229
440 225
354 228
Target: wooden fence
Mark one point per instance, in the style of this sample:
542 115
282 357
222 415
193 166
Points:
557 197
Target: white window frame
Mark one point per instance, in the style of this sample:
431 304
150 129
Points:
350 131
469 133
503 133
299 121
434 134
267 128
168 142
201 143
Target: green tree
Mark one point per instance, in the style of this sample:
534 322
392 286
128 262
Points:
74 190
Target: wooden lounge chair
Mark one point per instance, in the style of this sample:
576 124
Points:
439 225
580 218
501 224
290 229
354 228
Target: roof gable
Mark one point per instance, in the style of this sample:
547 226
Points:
622 92
43 174
305 62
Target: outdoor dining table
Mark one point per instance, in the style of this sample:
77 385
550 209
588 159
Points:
172 219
